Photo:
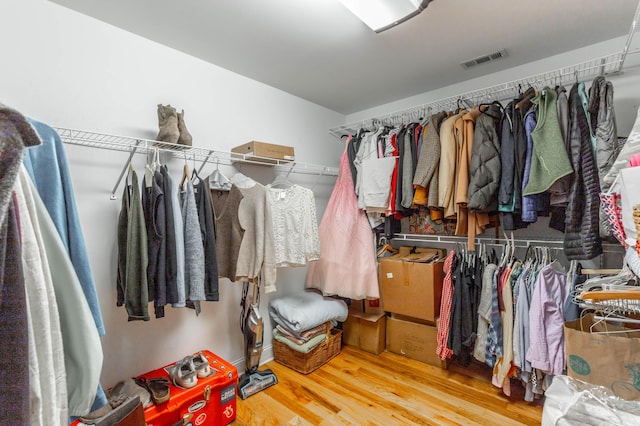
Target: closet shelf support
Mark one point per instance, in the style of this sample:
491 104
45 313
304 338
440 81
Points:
124 169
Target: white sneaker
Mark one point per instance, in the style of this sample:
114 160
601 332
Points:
183 373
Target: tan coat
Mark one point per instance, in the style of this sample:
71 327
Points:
448 165
471 224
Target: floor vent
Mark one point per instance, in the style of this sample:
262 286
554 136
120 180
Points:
484 59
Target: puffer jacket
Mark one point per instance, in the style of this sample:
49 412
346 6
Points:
581 238
603 121
485 169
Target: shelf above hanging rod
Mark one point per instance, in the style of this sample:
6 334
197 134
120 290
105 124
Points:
146 146
605 65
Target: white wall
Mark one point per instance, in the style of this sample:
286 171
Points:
69 70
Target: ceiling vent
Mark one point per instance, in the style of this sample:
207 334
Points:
484 59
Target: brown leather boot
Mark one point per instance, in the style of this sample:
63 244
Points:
168 124
185 137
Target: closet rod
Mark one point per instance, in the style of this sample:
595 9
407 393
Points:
605 65
146 146
521 242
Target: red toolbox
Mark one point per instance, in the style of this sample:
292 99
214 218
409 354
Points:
210 402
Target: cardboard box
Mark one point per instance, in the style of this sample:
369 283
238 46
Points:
411 283
263 152
413 340
365 331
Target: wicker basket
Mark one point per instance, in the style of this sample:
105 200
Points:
314 359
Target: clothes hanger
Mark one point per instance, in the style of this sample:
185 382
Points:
185 173
148 172
217 180
282 180
385 247
130 174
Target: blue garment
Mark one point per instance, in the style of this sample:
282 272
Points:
530 203
47 165
49 171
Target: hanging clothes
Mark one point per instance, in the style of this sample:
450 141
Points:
229 232
15 332
256 258
428 161
485 168
153 211
194 258
82 349
548 162
546 321
15 135
131 280
202 193
347 265
171 251
48 167
47 375
178 232
530 203
295 225
443 351
447 165
581 238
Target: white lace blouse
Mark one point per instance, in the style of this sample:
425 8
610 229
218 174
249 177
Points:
295 225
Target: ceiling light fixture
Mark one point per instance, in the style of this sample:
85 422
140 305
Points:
380 15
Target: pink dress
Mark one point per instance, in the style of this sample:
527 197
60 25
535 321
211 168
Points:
347 264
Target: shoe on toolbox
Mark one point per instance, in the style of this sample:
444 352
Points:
183 373
157 387
201 365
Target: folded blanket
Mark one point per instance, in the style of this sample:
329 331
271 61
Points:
302 311
304 336
306 347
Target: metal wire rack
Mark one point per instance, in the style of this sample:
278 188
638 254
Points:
147 146
605 65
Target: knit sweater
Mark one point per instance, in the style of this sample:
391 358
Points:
193 248
256 255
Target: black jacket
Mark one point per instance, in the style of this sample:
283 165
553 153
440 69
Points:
485 168
581 238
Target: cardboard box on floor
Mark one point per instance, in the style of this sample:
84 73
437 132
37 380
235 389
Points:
411 282
366 331
413 340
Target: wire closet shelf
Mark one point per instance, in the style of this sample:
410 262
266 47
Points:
147 146
605 65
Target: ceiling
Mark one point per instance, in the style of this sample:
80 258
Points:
317 50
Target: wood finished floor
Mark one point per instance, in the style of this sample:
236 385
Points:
359 388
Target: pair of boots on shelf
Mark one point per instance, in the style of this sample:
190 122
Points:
172 127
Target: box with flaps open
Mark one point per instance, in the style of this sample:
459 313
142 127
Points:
411 282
